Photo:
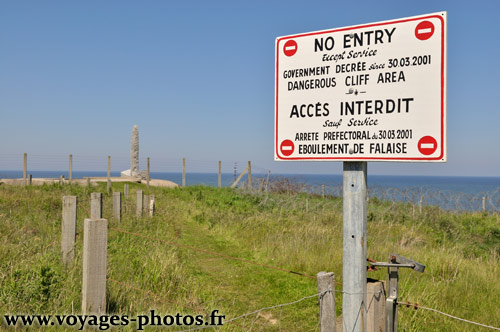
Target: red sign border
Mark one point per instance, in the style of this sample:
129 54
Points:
404 20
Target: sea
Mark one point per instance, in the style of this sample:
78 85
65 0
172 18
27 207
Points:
449 192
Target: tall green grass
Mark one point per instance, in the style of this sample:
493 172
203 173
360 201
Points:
293 231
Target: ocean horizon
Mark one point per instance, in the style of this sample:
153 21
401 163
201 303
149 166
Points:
450 192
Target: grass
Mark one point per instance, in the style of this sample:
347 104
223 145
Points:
293 231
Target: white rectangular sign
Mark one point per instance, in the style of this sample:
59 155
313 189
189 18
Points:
372 92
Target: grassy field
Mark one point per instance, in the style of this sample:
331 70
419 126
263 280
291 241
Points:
150 267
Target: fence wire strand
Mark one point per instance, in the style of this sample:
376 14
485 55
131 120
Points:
262 309
447 315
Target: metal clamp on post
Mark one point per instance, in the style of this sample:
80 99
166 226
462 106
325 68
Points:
395 262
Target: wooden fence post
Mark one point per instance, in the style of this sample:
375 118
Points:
139 202
68 229
323 191
375 301
484 203
148 178
235 183
70 168
145 204
326 289
219 181
183 172
267 180
95 237
249 175
30 179
95 206
125 190
151 205
117 205
109 175
25 167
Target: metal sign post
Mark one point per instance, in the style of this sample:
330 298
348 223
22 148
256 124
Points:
370 92
354 247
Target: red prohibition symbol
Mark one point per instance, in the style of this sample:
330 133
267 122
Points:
287 147
427 145
290 47
424 30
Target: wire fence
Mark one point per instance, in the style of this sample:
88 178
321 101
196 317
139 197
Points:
257 313
205 172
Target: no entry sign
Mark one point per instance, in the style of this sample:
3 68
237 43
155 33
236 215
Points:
369 92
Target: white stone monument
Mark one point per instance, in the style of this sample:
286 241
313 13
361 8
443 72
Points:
134 156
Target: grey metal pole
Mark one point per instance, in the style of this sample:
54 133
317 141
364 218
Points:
391 304
354 247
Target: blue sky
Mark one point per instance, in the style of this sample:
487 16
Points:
197 77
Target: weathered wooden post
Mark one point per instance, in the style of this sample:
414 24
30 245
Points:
70 168
125 190
147 176
95 206
326 288
151 205
68 229
235 183
117 205
219 181
183 172
420 204
30 179
25 167
95 237
323 191
267 180
109 175
249 175
139 203
354 246
375 302
145 204
484 203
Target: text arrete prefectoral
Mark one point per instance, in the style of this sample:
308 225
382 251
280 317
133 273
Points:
337 147
347 110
